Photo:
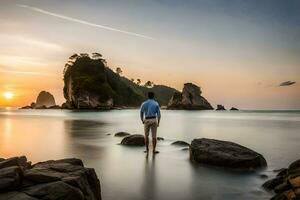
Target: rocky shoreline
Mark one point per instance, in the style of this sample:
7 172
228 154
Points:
65 179
286 184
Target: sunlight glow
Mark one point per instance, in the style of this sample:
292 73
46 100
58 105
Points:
8 95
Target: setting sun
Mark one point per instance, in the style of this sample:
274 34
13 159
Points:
8 95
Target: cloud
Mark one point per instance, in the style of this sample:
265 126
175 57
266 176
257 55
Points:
84 22
287 83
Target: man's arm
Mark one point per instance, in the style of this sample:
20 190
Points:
142 113
158 114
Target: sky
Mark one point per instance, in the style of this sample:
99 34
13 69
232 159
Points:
242 53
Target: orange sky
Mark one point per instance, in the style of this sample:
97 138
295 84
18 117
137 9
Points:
238 58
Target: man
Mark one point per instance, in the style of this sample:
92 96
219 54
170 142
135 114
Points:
150 116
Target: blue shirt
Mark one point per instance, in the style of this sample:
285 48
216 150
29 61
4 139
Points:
150 108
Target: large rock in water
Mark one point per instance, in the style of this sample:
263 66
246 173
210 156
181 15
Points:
66 179
45 99
189 99
225 154
133 140
286 184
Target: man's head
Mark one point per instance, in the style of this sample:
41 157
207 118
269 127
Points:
151 95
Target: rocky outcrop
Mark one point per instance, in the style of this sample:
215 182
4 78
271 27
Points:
90 84
51 180
220 107
133 140
234 109
121 134
225 154
286 184
189 99
45 99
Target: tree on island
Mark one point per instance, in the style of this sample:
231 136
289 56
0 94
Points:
119 71
149 84
96 55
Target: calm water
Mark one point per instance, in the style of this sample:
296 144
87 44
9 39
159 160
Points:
126 173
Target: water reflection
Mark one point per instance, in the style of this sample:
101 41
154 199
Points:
148 187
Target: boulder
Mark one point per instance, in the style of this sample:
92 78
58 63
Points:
45 99
122 134
225 154
134 140
234 109
50 180
286 183
220 107
180 143
189 99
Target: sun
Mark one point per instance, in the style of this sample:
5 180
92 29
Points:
8 95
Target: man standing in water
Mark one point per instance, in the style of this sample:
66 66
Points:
150 116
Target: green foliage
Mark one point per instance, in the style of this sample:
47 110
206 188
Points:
92 76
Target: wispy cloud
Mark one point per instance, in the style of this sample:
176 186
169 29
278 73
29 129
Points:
287 83
84 22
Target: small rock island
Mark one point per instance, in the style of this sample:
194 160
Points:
189 99
44 100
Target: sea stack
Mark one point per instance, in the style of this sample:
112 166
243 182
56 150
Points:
189 99
44 99
220 107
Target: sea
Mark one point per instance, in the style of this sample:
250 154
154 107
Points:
126 173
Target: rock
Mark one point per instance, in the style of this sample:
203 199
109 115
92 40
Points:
271 184
295 182
121 134
41 107
180 143
220 107
45 99
234 109
32 105
134 140
263 176
160 138
26 107
287 183
10 178
52 180
225 154
189 99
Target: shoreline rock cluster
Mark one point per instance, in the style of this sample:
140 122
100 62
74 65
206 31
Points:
286 184
50 180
